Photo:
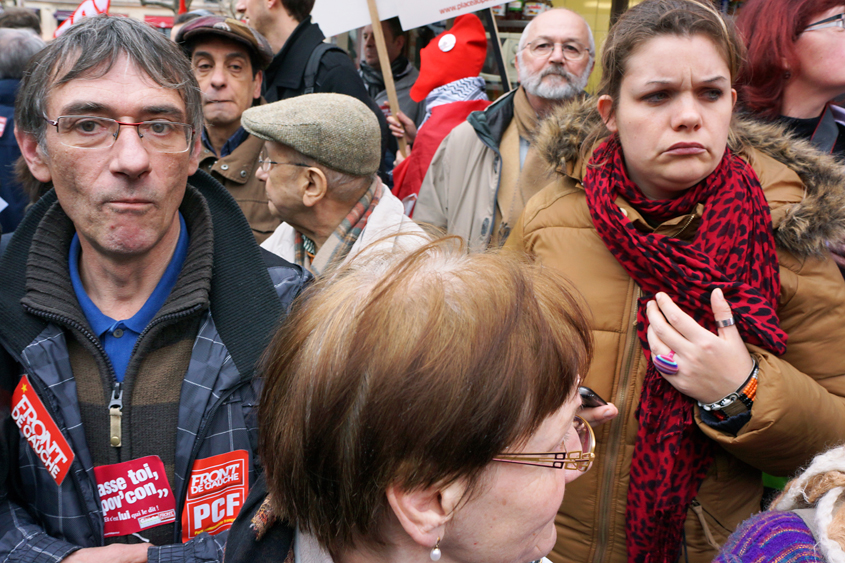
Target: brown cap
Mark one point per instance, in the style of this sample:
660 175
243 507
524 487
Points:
336 130
231 29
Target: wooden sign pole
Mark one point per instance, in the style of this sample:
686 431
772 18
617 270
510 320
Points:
386 71
493 30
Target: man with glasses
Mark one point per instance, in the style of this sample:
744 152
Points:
486 168
133 308
229 58
319 164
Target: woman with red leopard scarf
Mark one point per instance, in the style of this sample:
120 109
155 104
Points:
699 243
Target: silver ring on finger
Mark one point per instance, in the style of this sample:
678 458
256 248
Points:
726 323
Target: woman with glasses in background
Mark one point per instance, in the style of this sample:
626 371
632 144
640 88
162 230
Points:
795 70
420 408
795 67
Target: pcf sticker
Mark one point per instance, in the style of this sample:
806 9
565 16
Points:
217 490
134 496
40 431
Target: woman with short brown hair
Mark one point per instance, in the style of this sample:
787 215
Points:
422 407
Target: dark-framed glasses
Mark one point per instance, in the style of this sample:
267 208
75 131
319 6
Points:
543 48
576 460
833 21
90 132
266 164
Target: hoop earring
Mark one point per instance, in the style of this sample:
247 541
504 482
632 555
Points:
435 551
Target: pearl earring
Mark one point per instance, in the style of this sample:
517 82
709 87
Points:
435 551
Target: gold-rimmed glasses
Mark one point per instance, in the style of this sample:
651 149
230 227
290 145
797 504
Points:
576 460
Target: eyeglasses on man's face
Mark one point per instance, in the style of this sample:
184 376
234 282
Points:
542 48
576 460
833 21
89 132
266 164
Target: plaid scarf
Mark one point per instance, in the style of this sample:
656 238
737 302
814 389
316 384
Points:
340 242
733 249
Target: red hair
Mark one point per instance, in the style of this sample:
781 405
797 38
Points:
770 29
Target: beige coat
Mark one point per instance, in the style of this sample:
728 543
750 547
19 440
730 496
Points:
458 193
236 171
799 409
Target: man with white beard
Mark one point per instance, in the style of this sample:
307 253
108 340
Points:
486 168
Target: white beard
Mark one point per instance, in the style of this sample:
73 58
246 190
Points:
553 89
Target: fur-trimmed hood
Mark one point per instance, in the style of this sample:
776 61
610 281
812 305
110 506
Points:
805 229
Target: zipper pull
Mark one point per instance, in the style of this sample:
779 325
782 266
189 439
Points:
115 414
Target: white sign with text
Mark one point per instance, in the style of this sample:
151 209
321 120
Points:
336 17
417 14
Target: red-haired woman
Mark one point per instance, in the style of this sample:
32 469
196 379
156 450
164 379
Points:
795 66
794 69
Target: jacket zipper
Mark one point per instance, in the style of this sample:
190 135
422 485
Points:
615 437
115 405
615 433
116 402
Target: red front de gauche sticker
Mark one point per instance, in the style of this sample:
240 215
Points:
40 431
216 492
134 495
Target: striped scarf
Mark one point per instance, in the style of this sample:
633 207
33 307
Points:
340 242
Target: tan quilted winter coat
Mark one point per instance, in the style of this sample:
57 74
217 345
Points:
800 404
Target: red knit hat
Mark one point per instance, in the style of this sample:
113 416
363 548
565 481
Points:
454 54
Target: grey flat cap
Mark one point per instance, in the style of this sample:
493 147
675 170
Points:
336 130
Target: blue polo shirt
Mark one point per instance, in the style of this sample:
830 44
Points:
118 337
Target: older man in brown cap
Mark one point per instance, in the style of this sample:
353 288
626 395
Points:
228 59
321 154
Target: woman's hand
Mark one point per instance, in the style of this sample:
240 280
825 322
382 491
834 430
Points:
401 125
711 366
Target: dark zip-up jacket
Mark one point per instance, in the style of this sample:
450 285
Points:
248 293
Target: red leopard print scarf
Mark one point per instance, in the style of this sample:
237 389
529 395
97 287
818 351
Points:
734 250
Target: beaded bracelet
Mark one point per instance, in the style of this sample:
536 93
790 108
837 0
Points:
739 401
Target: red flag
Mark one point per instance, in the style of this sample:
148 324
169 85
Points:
85 8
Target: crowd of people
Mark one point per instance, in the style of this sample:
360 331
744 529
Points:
238 324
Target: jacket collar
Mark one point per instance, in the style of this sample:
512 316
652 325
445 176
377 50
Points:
804 224
241 163
490 124
288 66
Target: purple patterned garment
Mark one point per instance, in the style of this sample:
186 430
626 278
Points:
771 537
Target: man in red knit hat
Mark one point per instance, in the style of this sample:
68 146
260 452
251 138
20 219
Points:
486 168
451 89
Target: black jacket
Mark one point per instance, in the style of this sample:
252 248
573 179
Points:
285 77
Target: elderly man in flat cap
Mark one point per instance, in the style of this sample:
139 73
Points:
319 164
